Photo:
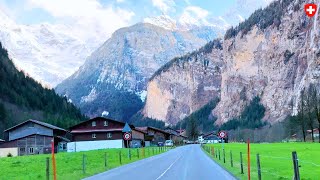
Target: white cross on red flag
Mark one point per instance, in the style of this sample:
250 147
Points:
310 9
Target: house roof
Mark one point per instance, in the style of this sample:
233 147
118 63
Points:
100 118
210 133
314 130
96 130
37 122
145 129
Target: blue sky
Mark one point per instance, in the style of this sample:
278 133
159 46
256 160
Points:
25 13
89 19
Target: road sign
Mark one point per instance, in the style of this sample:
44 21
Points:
222 134
126 128
127 136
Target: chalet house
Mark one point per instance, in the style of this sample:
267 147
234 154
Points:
154 135
211 137
35 137
175 136
101 133
315 132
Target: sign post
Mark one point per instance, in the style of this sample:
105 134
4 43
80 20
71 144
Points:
222 135
53 160
127 135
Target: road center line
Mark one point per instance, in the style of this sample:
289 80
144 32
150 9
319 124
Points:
169 167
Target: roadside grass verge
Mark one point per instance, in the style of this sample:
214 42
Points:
275 159
69 165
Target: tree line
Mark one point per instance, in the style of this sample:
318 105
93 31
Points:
308 113
26 95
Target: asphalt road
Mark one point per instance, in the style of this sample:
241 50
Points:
182 163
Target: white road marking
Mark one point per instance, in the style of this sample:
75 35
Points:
169 167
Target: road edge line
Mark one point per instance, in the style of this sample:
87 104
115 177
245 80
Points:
219 164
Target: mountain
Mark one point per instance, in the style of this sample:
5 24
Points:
266 60
49 53
185 84
117 73
23 98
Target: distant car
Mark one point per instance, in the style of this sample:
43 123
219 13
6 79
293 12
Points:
190 142
136 145
168 143
160 144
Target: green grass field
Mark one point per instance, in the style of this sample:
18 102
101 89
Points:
69 165
276 159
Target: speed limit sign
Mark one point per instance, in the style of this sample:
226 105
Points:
222 134
127 136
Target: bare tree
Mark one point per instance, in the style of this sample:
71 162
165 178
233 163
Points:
301 115
316 103
310 106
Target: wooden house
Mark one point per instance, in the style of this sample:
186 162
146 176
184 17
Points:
35 137
153 135
101 133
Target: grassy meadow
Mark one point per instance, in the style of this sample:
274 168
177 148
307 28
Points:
275 159
69 165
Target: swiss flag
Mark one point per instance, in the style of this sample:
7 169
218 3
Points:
310 9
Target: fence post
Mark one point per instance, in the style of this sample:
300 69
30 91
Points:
249 170
258 166
219 154
47 168
138 153
105 159
143 152
231 160
120 157
212 151
224 156
129 154
295 165
241 163
83 163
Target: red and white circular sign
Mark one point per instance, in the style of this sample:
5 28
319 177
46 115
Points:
127 136
222 134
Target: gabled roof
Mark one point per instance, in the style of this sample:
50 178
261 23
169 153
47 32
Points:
37 122
145 129
100 118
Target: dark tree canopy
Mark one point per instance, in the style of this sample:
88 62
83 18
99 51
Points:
27 95
251 117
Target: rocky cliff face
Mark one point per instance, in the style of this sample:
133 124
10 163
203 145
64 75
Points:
185 84
274 62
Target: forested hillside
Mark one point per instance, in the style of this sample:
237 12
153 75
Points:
22 98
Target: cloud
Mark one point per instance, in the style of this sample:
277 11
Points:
87 17
164 5
121 1
194 15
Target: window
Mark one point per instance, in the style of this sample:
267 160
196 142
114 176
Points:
105 123
22 150
94 135
31 150
109 135
93 123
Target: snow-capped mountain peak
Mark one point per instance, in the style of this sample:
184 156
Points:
163 21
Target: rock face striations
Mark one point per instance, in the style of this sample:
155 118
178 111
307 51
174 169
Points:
274 54
185 84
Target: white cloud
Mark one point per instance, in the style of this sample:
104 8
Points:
164 5
121 1
87 17
194 15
